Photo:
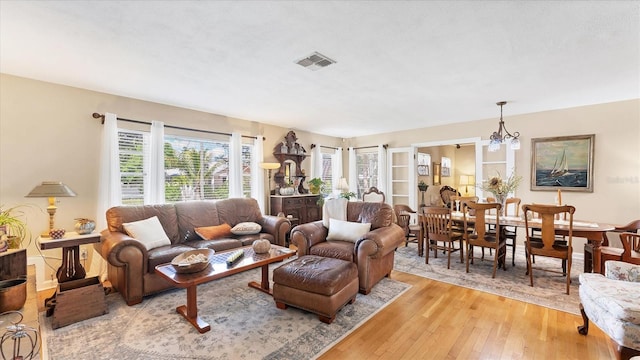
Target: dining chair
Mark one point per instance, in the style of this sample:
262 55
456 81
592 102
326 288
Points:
436 227
560 239
511 232
446 192
373 195
476 234
614 250
548 246
411 230
631 245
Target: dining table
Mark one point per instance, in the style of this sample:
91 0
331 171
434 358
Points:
592 231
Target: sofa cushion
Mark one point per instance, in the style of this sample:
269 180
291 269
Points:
166 213
213 232
217 244
193 214
236 210
347 231
246 228
149 232
164 255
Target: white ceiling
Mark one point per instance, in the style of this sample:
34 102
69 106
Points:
400 64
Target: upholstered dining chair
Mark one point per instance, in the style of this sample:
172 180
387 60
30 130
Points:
613 250
477 234
411 230
436 227
373 195
446 192
548 245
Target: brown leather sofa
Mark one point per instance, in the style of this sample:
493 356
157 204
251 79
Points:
373 253
131 266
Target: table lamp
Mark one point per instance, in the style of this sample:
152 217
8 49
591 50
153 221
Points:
343 185
51 190
464 180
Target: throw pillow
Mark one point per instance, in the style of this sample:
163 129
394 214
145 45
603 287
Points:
213 232
246 228
347 230
149 232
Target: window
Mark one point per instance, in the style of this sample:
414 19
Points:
367 170
327 173
195 169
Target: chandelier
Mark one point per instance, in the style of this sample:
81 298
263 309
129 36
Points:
498 138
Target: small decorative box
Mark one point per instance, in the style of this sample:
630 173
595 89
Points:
57 233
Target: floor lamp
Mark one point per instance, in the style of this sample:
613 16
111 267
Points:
269 166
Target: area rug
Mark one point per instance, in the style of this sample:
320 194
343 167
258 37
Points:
549 288
245 324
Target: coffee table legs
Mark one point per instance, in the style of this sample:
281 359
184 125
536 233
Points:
190 311
264 285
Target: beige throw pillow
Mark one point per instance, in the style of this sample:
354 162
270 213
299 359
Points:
149 232
346 230
246 228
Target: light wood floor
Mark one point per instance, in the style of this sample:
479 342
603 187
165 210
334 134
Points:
434 320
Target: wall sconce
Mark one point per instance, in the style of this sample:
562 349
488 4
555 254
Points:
51 190
498 138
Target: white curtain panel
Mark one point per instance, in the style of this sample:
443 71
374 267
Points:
235 166
316 162
155 195
382 169
109 191
257 173
336 169
353 171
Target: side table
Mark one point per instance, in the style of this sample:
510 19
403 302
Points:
71 267
76 298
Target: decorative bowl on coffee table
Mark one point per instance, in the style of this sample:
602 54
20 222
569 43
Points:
192 261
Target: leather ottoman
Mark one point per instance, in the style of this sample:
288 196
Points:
317 284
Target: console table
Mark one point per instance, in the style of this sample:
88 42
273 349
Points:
303 207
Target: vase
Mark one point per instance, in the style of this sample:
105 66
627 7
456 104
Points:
85 226
502 200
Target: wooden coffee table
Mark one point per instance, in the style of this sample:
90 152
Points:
218 269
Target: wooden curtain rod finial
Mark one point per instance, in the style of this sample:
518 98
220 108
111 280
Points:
98 116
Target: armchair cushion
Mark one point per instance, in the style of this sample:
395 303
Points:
149 232
347 231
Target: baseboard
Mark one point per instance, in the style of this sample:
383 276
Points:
41 282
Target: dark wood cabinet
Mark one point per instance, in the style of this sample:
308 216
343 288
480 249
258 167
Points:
305 208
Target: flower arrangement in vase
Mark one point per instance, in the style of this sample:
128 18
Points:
501 188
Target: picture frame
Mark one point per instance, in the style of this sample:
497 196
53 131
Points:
562 162
446 166
423 164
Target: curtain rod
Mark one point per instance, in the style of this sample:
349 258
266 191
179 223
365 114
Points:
101 116
369 147
326 147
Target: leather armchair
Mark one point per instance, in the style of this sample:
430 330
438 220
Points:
373 253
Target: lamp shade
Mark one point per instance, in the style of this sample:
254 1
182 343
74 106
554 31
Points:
464 180
343 185
51 189
270 165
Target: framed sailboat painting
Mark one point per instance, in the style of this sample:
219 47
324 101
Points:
564 163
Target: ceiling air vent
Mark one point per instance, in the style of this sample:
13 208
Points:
315 61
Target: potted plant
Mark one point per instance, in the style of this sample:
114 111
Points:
13 229
315 185
422 186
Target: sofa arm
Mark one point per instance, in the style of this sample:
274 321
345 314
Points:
276 226
379 242
306 235
119 250
618 270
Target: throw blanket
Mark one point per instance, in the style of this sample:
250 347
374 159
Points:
334 209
